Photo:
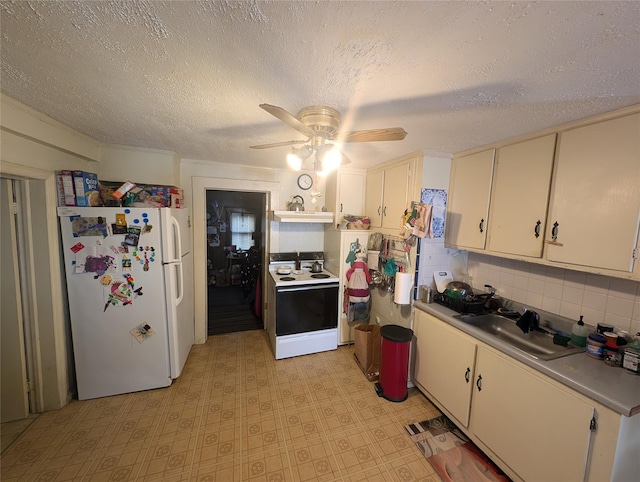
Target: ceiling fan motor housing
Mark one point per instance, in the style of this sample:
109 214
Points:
322 119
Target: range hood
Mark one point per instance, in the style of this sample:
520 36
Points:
302 217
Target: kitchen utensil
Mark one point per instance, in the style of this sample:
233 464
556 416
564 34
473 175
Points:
441 279
462 288
376 277
294 205
316 267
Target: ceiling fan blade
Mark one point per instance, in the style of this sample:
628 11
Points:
287 118
372 135
279 144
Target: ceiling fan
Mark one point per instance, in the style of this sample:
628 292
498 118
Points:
321 126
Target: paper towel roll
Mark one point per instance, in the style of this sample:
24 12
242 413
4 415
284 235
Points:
373 259
404 285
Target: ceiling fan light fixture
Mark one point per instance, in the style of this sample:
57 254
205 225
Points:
321 124
330 158
294 160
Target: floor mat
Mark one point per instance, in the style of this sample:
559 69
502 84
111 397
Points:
451 453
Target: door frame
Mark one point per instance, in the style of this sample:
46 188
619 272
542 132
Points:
49 334
200 186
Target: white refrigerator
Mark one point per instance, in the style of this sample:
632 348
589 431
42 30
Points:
129 275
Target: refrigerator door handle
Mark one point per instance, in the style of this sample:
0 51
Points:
181 285
177 239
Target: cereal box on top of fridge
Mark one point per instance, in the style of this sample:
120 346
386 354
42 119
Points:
87 190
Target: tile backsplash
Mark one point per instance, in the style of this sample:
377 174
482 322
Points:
600 299
290 237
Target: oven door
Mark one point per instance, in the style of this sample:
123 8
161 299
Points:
306 308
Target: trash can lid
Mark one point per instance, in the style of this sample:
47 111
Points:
396 333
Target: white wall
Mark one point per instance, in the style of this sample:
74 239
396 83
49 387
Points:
147 166
284 236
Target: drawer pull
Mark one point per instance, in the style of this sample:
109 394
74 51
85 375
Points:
536 230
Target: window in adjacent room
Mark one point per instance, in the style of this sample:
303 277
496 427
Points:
243 225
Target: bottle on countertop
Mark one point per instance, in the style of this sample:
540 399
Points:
579 333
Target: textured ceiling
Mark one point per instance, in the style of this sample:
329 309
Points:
187 76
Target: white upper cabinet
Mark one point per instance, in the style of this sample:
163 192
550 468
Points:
595 203
390 189
468 204
345 193
520 196
373 198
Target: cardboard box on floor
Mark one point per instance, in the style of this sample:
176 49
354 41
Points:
367 349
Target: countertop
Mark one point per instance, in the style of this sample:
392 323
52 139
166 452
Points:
613 387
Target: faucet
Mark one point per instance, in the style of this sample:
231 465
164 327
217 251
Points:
546 327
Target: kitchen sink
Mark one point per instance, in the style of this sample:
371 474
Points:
536 343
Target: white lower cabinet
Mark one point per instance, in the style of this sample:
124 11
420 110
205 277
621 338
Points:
538 429
444 362
535 428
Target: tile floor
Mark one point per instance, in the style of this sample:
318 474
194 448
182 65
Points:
234 414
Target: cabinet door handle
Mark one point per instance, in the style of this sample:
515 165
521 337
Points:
466 374
481 225
479 383
378 210
536 230
384 211
554 231
340 207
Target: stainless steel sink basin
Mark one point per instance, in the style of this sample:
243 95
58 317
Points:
536 343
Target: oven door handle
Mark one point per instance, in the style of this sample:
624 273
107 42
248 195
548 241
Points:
308 287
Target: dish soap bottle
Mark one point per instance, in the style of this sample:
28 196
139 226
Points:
579 333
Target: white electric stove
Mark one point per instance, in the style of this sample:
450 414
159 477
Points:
305 311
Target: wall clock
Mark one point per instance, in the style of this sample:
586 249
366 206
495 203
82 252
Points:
305 181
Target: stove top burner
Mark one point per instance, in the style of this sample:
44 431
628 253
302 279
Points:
320 276
287 278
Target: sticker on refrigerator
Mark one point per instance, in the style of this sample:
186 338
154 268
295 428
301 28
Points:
118 229
99 264
89 226
121 220
145 255
133 236
147 227
142 332
121 292
77 247
106 280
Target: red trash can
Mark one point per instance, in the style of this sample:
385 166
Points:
394 363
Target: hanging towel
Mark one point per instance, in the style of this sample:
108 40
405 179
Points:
422 226
359 311
358 280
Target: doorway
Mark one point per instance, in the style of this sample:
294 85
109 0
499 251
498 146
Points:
17 402
236 236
